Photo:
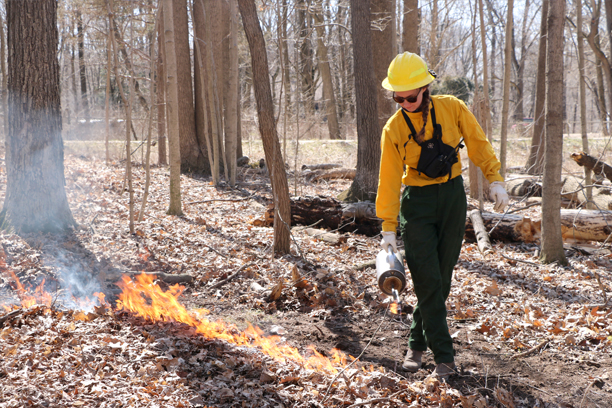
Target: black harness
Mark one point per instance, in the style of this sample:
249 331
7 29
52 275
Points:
437 158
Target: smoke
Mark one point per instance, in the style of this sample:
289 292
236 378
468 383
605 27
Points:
79 284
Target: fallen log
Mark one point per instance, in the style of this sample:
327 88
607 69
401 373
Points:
325 212
330 213
484 245
576 225
324 166
593 163
341 173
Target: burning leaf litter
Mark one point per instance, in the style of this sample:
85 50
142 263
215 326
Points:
111 357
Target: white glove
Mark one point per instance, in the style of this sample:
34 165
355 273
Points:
388 238
499 195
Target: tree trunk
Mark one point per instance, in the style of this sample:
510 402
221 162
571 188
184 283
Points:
162 155
535 159
35 199
82 76
411 23
109 66
608 5
329 99
368 129
552 241
232 94
602 66
172 101
192 159
213 102
485 75
506 89
267 126
306 56
3 91
383 52
582 97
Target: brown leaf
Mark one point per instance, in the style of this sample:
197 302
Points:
493 289
504 397
277 291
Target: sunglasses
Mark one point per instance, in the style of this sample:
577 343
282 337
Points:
409 99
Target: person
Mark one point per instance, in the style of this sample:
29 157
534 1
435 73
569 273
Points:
432 207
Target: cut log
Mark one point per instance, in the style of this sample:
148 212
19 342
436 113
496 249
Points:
576 226
593 163
341 173
482 236
524 186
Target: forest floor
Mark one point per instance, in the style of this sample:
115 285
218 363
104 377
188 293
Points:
525 334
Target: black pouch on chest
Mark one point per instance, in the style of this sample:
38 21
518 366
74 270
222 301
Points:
437 158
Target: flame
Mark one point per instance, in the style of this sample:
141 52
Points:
39 296
146 299
30 298
393 307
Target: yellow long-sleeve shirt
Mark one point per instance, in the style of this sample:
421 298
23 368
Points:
397 150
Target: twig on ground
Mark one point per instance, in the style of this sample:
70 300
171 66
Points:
220 199
586 390
232 276
10 315
524 208
531 350
377 400
355 360
520 260
308 226
603 289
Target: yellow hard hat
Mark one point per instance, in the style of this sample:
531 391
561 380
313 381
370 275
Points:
406 72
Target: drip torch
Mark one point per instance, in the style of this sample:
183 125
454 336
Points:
390 274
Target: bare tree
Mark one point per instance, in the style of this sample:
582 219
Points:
326 77
82 76
552 241
535 160
162 155
232 94
411 22
35 198
172 103
383 51
506 88
267 126
192 158
365 184
582 99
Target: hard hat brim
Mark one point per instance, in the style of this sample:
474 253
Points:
403 88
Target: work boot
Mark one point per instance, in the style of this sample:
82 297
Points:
444 370
412 362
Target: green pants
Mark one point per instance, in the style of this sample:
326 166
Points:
432 222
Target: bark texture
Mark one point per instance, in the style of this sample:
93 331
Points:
552 241
172 100
192 159
267 126
35 196
368 129
535 159
411 22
